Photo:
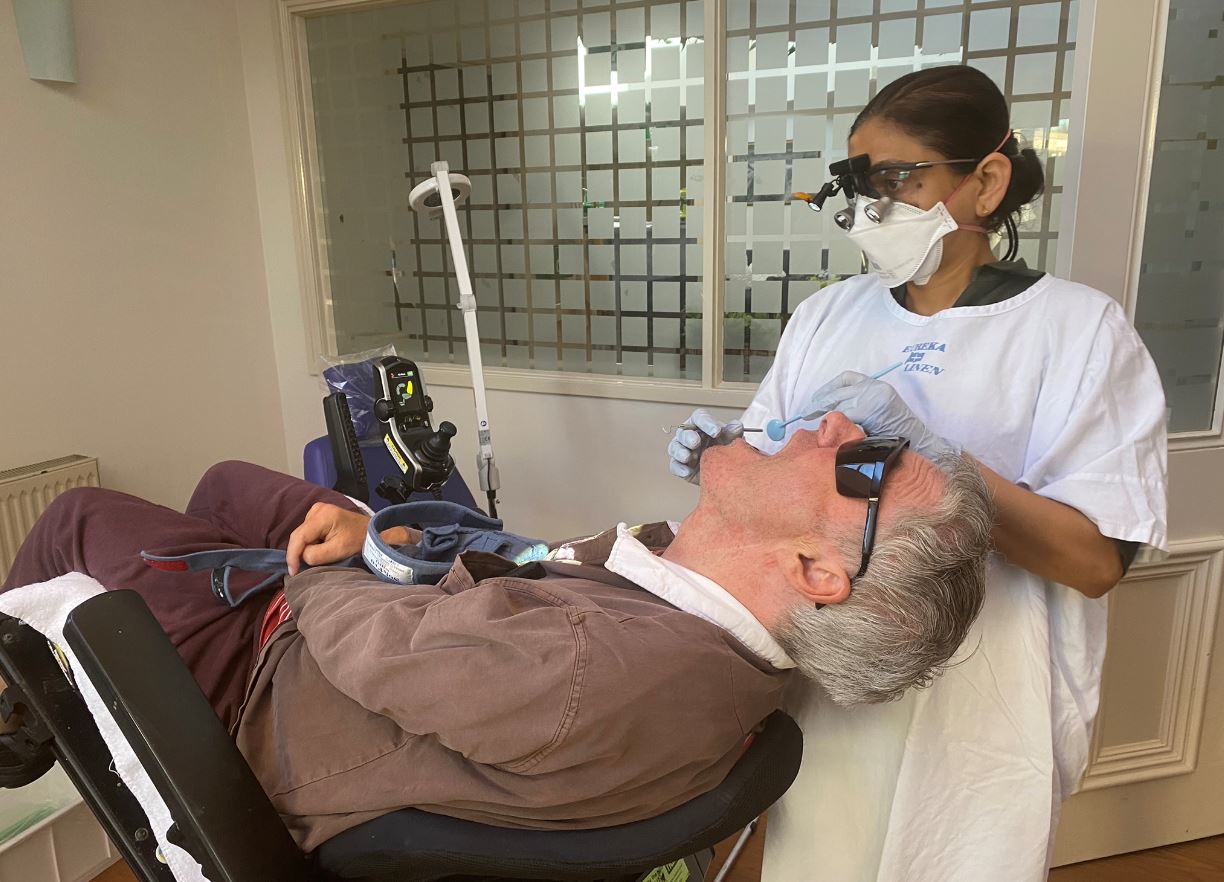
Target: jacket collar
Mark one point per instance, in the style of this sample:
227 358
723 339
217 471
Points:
622 556
694 593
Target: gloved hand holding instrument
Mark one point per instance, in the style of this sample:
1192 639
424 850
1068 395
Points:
880 410
702 430
693 437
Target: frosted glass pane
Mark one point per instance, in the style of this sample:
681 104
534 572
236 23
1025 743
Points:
1180 312
796 80
580 125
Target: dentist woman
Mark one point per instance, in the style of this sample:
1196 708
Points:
1047 386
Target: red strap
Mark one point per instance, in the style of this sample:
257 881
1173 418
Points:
170 566
278 613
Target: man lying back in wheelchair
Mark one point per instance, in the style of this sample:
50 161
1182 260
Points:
616 679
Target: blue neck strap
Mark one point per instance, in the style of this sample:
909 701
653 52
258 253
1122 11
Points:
447 529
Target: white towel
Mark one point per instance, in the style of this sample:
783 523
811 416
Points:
44 607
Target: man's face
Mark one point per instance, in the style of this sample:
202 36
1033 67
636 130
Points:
794 492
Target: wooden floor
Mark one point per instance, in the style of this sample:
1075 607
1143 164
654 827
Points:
118 873
1198 861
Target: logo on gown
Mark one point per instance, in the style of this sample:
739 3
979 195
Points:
916 358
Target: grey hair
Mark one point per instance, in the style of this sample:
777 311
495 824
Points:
910 611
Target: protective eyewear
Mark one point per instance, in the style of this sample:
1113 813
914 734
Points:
883 183
860 469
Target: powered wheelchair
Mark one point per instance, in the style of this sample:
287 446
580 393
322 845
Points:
225 821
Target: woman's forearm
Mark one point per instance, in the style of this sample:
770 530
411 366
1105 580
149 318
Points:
1051 539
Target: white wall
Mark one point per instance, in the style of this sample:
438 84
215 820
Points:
568 464
134 321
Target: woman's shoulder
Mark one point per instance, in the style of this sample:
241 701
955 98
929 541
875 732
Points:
1080 311
1083 327
1073 299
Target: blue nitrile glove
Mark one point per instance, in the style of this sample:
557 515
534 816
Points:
877 407
691 439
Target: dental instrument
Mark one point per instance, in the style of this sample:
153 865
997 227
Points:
776 429
670 429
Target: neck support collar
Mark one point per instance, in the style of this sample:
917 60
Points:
447 529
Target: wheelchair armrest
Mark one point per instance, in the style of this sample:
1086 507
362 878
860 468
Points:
222 815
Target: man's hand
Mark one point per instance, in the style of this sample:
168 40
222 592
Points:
877 407
329 534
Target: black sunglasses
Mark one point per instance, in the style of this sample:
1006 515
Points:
861 467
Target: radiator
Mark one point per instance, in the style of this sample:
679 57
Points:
53 834
26 492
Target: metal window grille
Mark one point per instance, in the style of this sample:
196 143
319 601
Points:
579 124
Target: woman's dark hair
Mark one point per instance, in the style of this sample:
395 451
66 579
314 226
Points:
959 112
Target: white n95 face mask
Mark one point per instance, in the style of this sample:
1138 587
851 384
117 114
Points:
906 245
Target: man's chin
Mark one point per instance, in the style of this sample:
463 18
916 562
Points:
723 457
741 445
713 466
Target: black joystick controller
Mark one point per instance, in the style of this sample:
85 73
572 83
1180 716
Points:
422 454
434 452
430 464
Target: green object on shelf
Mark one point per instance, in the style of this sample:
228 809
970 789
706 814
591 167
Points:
12 831
26 807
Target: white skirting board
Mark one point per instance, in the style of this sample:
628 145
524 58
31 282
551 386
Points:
67 845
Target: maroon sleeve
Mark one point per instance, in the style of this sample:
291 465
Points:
255 505
102 532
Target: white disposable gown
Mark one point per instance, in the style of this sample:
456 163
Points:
961 782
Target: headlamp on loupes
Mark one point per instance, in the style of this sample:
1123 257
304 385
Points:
850 178
856 177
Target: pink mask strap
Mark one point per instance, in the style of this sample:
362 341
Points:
973 227
956 190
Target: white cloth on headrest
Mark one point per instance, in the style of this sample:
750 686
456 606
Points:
45 606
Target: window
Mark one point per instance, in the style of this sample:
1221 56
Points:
582 125
1180 308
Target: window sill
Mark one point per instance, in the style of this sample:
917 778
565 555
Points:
593 385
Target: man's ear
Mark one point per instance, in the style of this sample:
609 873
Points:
817 573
